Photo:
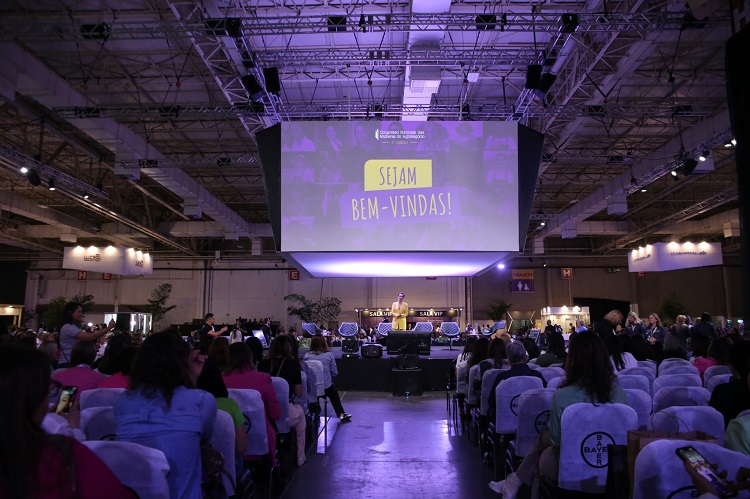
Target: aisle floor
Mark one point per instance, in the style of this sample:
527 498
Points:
394 448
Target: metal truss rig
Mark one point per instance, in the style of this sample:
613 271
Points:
19 160
475 111
126 29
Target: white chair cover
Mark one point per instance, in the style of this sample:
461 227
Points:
534 408
251 405
642 371
690 418
141 468
100 397
54 424
560 365
303 401
462 379
317 367
586 429
648 364
634 381
554 383
680 396
473 397
715 371
98 423
676 380
744 413
660 473
484 396
551 372
666 363
718 379
281 387
641 403
223 440
507 396
450 329
679 369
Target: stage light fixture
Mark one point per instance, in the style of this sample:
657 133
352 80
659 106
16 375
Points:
674 173
643 189
85 196
51 184
734 142
704 155
501 266
24 170
542 224
544 264
728 143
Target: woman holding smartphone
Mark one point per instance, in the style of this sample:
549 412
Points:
32 462
72 330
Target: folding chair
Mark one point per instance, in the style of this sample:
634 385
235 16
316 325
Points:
718 379
715 371
98 423
678 369
680 396
550 373
677 380
666 363
634 381
641 403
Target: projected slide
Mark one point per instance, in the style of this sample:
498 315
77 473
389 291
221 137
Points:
399 186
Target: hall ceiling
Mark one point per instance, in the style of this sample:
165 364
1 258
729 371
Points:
145 100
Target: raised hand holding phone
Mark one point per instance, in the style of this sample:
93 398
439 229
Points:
706 477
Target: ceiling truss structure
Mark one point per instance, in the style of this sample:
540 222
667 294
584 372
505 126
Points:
639 87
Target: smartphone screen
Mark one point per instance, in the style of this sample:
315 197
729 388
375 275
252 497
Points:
67 397
699 463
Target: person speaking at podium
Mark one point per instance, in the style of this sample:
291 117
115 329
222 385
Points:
399 309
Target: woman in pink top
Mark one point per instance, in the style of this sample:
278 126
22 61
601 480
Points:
119 368
241 373
80 374
718 354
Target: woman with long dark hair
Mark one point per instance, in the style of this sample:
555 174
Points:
161 410
72 330
34 464
555 353
620 358
589 377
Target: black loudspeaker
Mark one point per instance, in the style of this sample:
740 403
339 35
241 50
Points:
533 76
273 86
253 87
546 82
33 177
407 382
371 351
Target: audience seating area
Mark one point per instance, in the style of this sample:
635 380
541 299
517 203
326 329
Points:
675 400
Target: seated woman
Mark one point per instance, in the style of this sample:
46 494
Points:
620 358
555 353
162 411
121 365
281 363
589 377
497 359
32 462
319 351
717 355
241 373
80 373
211 381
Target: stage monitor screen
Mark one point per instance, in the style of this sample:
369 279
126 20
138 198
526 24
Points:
408 342
357 186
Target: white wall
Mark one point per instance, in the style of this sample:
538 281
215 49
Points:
231 289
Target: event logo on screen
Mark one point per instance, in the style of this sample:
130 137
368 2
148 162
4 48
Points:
397 190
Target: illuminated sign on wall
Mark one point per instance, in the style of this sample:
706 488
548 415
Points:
660 257
110 260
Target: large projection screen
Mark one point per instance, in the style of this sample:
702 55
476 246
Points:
357 186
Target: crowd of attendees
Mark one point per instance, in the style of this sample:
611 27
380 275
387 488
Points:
591 358
173 390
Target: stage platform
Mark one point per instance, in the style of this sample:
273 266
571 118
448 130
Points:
368 374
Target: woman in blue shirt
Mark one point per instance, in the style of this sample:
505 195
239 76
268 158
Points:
161 411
